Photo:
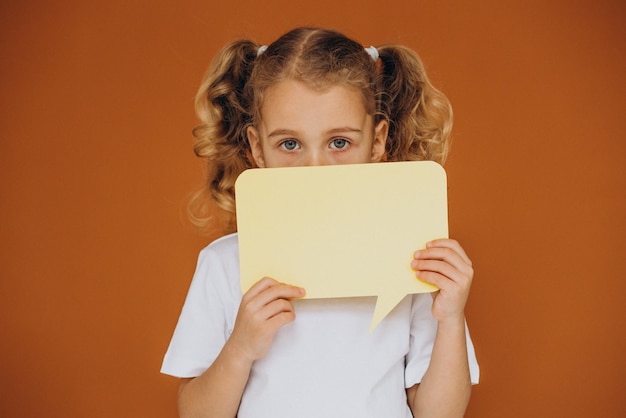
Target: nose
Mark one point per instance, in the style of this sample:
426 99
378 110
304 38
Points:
316 158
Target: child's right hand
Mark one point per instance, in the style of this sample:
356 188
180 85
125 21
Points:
264 309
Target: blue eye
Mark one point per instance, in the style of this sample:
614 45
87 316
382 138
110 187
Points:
289 145
339 143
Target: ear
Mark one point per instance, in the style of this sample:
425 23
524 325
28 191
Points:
380 140
255 146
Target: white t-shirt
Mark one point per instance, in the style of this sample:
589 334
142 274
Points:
324 364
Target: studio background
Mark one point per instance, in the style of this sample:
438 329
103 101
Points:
96 162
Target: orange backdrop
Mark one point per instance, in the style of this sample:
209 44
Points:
96 162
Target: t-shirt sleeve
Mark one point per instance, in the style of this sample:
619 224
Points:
422 338
206 319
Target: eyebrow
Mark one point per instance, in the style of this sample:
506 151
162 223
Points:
278 132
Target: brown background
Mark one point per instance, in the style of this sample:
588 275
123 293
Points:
96 162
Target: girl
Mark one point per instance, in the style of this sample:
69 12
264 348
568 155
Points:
316 97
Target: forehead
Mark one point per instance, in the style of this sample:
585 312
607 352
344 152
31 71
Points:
291 101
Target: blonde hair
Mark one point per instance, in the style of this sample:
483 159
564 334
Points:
394 88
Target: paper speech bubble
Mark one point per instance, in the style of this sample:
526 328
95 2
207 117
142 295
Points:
341 230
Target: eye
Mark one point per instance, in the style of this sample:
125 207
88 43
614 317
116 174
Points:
339 143
289 145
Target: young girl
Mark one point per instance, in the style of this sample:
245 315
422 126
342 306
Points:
316 97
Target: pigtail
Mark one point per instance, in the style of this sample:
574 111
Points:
420 116
222 106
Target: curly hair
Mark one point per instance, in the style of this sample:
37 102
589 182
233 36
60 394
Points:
394 88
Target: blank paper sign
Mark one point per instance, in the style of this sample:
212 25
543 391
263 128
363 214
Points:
342 230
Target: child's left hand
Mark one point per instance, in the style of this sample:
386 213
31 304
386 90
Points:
445 264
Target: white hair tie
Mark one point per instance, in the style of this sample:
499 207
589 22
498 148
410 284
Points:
261 50
373 52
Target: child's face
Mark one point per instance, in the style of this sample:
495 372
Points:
300 126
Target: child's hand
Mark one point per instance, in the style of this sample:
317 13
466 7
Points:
264 309
445 264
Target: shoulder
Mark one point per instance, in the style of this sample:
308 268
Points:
219 257
224 247
218 266
224 243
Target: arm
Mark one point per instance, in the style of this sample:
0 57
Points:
446 386
264 309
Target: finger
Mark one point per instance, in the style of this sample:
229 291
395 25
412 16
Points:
275 292
442 282
445 269
444 254
276 307
275 288
279 320
259 287
275 315
435 279
281 291
451 244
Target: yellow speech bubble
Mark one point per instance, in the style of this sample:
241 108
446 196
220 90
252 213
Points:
341 230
